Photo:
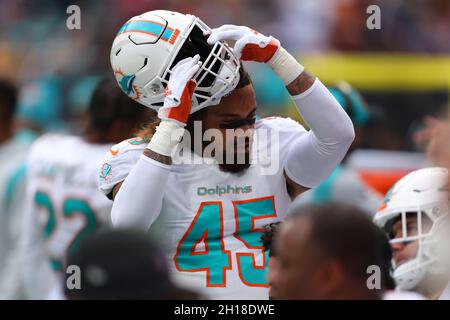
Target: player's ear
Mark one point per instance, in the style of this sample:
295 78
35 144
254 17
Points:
330 275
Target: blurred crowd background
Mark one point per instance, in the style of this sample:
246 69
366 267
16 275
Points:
402 70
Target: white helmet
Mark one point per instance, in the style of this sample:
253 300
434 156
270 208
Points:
148 46
422 192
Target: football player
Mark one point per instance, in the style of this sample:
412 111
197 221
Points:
66 205
415 216
13 151
210 213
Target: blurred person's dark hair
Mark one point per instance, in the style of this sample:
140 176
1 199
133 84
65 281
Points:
8 101
122 264
267 237
112 115
347 234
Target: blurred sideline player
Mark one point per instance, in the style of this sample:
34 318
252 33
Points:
416 217
65 205
345 185
213 238
13 151
324 251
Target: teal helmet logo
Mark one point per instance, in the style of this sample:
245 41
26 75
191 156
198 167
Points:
126 84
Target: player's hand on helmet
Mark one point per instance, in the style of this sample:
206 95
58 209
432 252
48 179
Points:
179 91
253 46
250 45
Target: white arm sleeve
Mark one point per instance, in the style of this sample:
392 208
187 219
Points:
138 202
313 156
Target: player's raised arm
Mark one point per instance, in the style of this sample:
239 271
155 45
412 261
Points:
313 156
138 201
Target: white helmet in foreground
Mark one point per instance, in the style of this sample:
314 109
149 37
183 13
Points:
148 46
417 206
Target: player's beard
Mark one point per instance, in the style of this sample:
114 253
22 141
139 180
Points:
241 158
234 168
239 163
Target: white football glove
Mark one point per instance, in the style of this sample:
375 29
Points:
177 107
179 90
253 46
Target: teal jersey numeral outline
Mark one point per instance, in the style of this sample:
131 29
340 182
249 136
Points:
71 208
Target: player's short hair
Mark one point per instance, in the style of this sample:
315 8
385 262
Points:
122 264
347 234
267 237
8 100
109 103
244 78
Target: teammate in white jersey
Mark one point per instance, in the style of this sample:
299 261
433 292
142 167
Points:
209 213
66 205
416 218
13 153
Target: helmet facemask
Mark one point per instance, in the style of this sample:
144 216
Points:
428 260
219 73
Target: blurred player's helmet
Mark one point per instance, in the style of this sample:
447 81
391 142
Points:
148 46
423 194
352 102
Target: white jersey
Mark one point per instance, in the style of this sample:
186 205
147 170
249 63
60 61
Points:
66 206
211 221
12 186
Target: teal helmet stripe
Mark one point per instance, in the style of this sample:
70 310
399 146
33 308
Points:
149 27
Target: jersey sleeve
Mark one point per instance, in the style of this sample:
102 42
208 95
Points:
118 162
287 130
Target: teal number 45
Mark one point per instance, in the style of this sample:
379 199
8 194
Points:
207 228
